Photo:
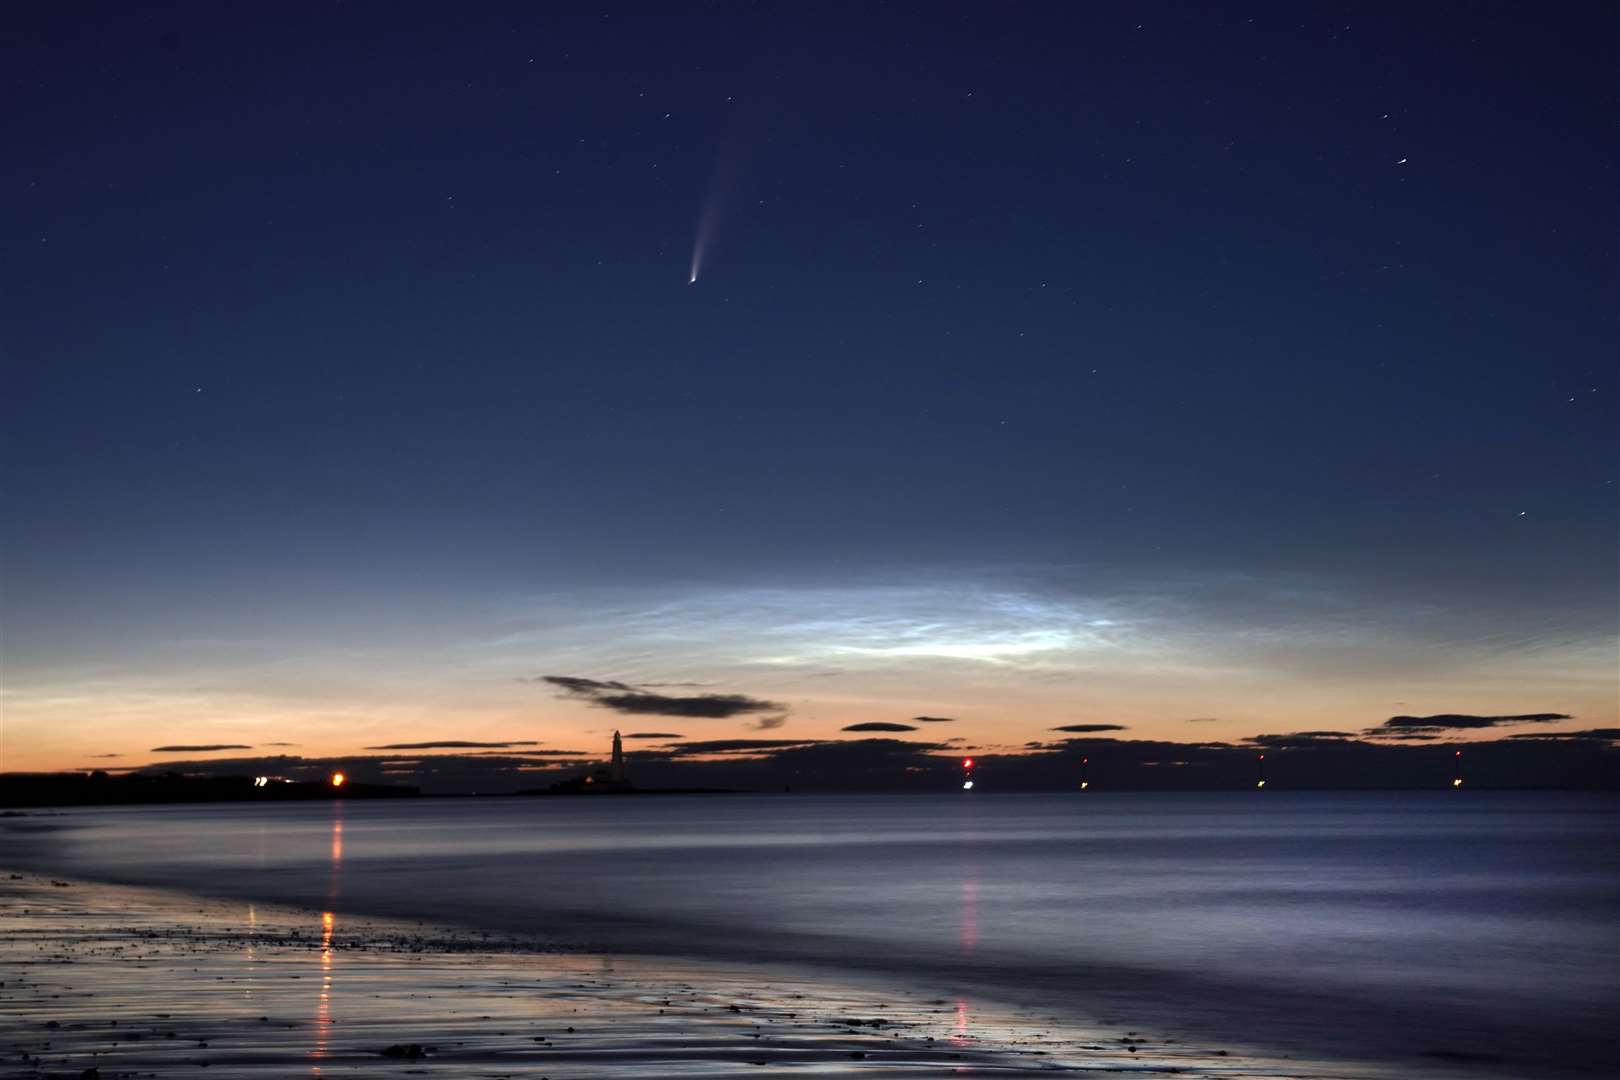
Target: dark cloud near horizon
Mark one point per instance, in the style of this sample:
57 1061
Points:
540 753
879 725
702 706
453 744
1204 720
1083 728
1602 733
201 748
1444 721
935 719
654 735
624 698
1299 739
725 746
768 723
574 684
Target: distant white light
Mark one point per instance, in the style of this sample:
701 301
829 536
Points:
260 781
967 785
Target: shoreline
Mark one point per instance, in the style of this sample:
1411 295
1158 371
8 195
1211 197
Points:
14 807
117 981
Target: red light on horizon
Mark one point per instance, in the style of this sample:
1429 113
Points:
967 763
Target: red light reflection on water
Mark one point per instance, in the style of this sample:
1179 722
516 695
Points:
959 1034
970 915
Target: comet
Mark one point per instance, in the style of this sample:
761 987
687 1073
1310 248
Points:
708 218
724 186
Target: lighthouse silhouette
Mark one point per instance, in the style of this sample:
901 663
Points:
616 769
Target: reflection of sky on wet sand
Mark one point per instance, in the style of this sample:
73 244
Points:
136 955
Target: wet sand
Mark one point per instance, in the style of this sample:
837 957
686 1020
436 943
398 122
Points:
104 981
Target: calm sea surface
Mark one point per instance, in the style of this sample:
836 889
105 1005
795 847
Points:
1452 928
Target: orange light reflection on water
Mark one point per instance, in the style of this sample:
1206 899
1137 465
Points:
334 879
323 1005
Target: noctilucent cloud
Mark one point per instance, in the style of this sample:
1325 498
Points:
1092 364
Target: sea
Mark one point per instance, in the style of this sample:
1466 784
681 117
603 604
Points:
1449 929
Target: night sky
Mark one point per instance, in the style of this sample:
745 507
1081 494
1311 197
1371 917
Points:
1046 365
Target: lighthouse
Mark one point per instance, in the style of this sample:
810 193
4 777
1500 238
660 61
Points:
616 769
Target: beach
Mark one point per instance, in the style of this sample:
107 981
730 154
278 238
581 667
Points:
113 981
1295 936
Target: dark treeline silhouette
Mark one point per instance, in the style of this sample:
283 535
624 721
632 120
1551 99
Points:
1299 762
100 789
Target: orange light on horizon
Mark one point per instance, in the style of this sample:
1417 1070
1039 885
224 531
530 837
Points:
337 779
967 763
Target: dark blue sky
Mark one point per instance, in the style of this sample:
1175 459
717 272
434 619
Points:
332 324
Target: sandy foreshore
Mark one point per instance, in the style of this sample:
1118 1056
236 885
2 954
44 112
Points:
103 981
